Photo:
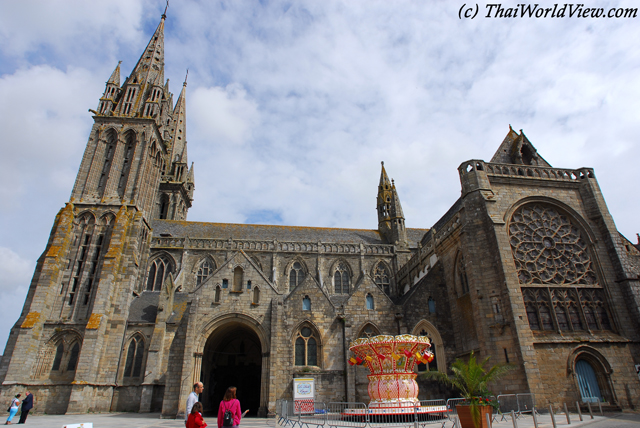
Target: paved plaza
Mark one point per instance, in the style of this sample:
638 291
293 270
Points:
151 420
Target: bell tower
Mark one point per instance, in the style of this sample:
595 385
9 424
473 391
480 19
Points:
94 262
390 216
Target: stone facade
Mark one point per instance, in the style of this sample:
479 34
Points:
130 303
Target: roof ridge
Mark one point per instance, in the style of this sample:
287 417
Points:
277 225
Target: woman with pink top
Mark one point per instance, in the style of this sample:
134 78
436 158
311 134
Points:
232 404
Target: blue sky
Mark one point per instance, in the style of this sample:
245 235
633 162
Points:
291 106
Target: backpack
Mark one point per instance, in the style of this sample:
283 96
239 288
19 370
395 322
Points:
227 419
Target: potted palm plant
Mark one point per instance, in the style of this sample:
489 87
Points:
471 378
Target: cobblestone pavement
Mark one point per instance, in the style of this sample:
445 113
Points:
151 420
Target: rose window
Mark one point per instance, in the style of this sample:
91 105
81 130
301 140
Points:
548 248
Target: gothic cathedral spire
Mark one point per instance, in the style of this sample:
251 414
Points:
390 216
177 185
85 281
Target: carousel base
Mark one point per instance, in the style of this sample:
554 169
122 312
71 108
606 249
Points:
395 413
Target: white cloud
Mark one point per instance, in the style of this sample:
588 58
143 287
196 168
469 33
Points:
291 106
223 114
44 131
16 273
67 30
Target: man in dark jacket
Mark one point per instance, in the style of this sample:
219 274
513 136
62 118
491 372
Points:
27 404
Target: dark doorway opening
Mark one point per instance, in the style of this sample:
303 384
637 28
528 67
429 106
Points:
232 357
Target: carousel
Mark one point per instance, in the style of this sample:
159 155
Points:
393 389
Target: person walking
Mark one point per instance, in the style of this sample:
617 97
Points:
13 409
198 387
231 404
27 404
195 417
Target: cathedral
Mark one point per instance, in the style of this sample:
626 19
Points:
130 303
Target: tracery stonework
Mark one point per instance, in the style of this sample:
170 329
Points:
548 248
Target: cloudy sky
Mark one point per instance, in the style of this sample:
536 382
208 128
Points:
293 104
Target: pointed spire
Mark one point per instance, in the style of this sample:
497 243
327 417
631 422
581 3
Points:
180 117
384 179
115 76
150 66
517 149
396 209
390 216
190 176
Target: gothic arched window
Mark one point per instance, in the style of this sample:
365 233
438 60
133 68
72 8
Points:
135 357
382 278
432 305
129 149
433 365
84 259
73 357
109 150
538 307
237 279
341 279
369 330
296 275
306 348
58 358
256 295
306 303
158 272
206 268
65 359
216 297
163 209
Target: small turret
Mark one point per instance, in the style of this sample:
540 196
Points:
111 93
390 217
176 187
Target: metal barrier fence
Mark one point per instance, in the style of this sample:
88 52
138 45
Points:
507 403
452 415
526 403
347 415
359 415
517 403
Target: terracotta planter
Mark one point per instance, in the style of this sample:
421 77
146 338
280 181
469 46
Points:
466 421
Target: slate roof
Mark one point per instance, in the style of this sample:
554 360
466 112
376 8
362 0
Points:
457 205
144 308
192 229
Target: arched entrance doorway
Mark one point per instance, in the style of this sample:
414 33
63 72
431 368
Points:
587 382
592 375
232 357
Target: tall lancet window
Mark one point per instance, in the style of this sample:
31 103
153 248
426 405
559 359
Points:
80 266
158 272
129 149
382 277
341 279
296 275
93 259
109 150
